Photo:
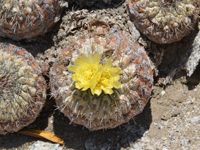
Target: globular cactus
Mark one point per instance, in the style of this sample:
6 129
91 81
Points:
22 88
164 21
101 81
24 19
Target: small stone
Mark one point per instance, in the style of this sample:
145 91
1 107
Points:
90 144
39 145
195 119
162 93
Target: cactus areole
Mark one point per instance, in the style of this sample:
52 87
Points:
101 81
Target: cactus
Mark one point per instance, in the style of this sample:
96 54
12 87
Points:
22 90
20 19
164 21
108 107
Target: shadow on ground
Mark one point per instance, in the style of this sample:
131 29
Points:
34 47
93 5
37 44
194 80
79 138
171 58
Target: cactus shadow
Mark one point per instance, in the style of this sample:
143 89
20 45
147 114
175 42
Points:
34 47
194 80
38 44
79 138
94 5
174 59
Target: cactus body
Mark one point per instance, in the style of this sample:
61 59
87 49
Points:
105 110
164 21
22 88
20 19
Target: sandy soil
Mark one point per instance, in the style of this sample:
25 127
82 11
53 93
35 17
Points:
170 120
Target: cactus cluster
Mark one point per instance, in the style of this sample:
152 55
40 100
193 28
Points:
22 90
164 21
99 81
102 110
24 19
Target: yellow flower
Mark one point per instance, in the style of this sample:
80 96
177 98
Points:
88 73
109 79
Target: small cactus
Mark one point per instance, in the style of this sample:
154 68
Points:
22 88
164 21
20 19
103 97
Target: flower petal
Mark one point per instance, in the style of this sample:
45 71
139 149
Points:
108 63
97 58
72 68
97 91
117 84
107 90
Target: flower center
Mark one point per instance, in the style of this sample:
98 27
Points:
90 72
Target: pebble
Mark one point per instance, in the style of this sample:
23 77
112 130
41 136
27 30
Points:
194 57
90 144
162 93
195 119
39 145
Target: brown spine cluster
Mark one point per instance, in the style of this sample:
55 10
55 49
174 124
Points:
22 90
